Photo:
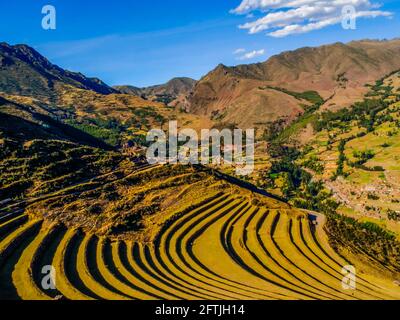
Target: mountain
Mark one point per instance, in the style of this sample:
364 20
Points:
24 71
129 90
39 95
24 122
69 191
174 89
254 94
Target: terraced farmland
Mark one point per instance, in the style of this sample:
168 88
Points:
226 248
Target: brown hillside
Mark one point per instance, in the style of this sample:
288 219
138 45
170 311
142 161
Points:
339 71
173 93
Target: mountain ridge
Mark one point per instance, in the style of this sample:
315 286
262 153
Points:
338 72
24 71
175 89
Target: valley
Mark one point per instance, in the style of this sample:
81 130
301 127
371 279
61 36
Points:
77 193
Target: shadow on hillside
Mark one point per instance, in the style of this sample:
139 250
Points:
246 185
49 128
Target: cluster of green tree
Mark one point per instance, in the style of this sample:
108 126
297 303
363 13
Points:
379 88
292 174
393 215
373 196
342 79
114 132
313 196
108 131
282 133
140 140
298 186
273 129
341 160
277 150
164 98
365 168
143 114
365 113
310 96
295 127
314 163
368 238
328 119
363 156
111 124
278 131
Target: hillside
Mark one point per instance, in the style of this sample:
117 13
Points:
142 236
40 155
338 73
23 71
115 227
355 151
36 88
169 93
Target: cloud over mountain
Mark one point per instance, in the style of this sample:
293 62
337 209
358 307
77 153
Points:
251 55
286 17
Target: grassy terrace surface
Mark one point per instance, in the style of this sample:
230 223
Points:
223 248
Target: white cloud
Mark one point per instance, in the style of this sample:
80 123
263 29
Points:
286 17
240 50
252 54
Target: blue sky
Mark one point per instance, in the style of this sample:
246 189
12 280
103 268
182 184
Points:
145 42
